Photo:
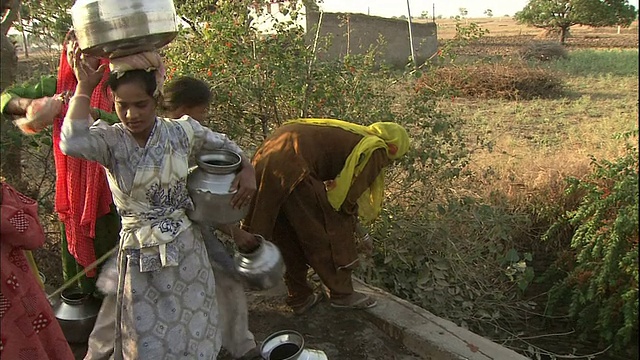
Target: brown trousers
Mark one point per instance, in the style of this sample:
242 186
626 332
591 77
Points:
309 232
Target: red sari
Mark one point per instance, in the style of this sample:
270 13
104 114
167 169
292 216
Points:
29 329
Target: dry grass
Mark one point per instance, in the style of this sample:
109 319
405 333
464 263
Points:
505 80
526 149
544 51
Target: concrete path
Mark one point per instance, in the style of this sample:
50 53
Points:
427 335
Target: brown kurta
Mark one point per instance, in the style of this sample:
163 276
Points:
292 210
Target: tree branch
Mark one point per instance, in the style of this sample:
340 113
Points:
191 24
10 16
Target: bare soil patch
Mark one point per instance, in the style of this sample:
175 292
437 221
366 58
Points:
340 334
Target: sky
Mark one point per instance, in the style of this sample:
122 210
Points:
390 8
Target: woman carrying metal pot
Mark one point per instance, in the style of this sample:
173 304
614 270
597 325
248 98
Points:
166 301
315 178
191 97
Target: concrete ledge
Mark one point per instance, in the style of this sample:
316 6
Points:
427 335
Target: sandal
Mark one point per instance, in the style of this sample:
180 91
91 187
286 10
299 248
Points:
311 302
365 302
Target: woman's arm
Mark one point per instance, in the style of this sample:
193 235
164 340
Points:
370 172
16 99
78 138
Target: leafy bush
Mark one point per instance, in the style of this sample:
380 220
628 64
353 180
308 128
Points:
602 279
262 80
457 260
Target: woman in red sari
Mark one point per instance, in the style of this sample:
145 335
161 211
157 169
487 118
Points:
90 224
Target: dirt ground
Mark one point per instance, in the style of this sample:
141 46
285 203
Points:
341 334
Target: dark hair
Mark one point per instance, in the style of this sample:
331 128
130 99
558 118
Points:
145 78
185 91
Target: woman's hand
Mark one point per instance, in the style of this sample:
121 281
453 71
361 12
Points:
87 69
245 183
17 106
245 241
88 72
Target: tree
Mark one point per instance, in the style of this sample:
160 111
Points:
47 18
488 13
11 165
562 14
424 14
463 11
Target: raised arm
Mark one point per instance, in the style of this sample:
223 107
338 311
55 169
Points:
78 138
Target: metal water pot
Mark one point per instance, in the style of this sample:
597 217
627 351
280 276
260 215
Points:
76 313
208 185
288 345
261 269
114 28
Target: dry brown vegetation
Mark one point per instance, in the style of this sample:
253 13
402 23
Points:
544 51
509 80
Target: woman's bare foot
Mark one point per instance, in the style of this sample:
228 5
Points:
354 301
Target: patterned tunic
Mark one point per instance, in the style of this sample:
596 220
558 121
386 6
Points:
166 303
29 329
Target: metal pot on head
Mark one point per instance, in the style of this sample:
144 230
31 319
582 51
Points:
208 185
261 269
114 28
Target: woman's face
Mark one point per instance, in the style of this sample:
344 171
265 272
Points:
71 46
135 108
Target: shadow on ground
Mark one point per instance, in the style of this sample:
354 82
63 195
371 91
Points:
341 334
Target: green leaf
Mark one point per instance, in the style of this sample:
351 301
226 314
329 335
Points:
512 256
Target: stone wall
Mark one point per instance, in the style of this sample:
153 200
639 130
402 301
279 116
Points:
365 31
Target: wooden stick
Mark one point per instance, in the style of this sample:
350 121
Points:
82 273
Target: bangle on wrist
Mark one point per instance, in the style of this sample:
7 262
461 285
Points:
81 96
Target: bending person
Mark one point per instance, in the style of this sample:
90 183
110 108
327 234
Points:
315 178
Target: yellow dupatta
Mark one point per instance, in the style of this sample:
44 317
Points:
387 135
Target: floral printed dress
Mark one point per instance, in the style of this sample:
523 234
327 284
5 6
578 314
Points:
29 329
166 301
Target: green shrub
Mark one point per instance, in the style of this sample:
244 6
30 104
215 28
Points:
458 260
602 279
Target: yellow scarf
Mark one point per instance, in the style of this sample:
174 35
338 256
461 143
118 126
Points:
387 135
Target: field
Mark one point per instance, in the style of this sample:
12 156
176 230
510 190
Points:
521 153
536 144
